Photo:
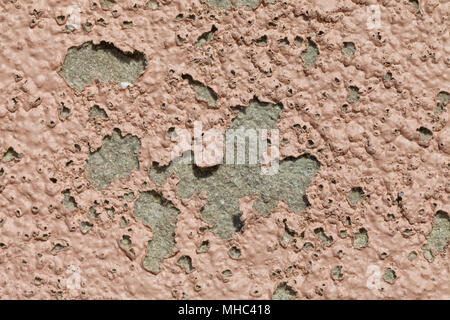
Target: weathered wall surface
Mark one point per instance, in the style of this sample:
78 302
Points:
91 206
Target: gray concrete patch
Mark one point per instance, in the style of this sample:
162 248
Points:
206 37
309 56
390 276
68 202
337 274
360 239
353 94
161 216
11 154
203 93
186 263
349 49
355 195
96 112
425 133
223 4
324 239
439 237
443 98
284 292
115 159
87 62
226 184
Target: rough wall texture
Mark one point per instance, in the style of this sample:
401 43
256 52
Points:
370 105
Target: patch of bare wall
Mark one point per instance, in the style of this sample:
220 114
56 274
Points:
115 159
226 184
88 61
223 4
161 216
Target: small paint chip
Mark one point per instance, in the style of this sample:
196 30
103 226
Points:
11 154
298 41
203 93
85 226
152 4
64 112
415 4
390 276
349 49
425 133
443 98
284 292
68 201
234 252
360 239
116 158
59 246
262 41
206 37
309 56
96 112
337 274
223 4
355 195
324 239
353 94
186 263
439 237
412 255
203 247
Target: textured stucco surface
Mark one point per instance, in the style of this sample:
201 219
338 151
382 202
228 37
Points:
370 105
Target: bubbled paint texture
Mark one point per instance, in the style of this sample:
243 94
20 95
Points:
374 114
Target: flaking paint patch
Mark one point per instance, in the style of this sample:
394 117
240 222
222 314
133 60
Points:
360 239
96 112
353 94
439 237
355 195
161 216
11 154
87 62
309 56
443 98
337 274
206 37
223 4
68 201
115 159
349 48
390 276
203 93
186 263
284 292
226 184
